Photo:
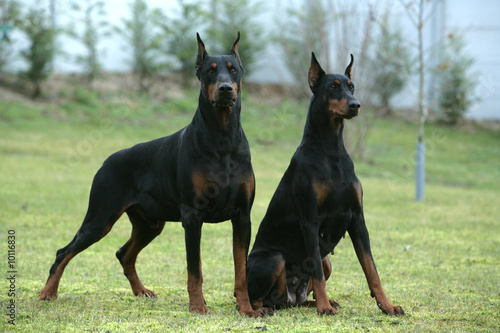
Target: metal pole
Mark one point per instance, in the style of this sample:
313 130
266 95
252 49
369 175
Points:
420 170
52 13
420 177
2 23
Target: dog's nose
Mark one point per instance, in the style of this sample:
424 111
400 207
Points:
354 105
225 88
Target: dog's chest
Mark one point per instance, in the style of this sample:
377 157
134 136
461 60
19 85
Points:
338 209
217 185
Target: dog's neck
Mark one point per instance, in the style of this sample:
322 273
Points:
323 131
221 124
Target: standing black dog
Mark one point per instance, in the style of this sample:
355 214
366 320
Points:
318 199
202 173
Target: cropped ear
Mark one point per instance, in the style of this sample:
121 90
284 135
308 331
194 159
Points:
234 50
316 73
202 54
349 67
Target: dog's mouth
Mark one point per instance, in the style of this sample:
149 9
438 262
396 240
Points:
344 114
351 114
224 102
224 99
351 111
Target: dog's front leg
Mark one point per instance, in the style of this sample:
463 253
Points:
314 266
192 230
361 242
241 242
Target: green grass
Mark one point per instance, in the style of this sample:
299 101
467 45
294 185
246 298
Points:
439 259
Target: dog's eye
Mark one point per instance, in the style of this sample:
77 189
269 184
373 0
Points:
351 87
334 86
233 71
211 71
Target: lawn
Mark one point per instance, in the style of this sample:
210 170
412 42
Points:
439 259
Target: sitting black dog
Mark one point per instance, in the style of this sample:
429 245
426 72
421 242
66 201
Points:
318 200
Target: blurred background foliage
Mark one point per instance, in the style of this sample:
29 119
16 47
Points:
162 44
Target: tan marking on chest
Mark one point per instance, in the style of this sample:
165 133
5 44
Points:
222 114
321 190
200 183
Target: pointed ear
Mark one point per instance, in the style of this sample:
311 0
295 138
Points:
234 50
316 73
202 54
349 67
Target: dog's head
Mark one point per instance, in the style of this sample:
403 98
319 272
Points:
336 90
220 76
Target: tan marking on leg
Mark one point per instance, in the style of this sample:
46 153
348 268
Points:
134 245
327 267
359 192
249 186
323 305
375 286
50 289
280 278
195 290
240 279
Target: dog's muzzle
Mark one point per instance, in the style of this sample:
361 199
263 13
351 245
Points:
225 95
353 109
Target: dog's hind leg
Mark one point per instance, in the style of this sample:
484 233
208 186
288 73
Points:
142 235
267 287
106 205
94 227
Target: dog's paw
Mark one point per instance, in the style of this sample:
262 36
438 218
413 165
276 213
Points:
329 311
201 309
313 303
398 311
146 293
48 297
391 310
334 304
264 312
